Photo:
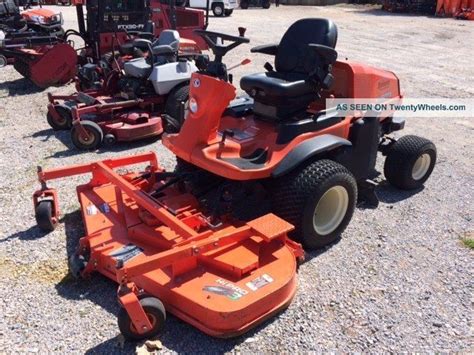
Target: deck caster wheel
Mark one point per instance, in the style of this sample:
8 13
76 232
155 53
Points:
410 162
319 199
110 139
44 216
89 137
77 264
63 122
155 312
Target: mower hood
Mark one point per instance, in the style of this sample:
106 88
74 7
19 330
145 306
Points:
41 16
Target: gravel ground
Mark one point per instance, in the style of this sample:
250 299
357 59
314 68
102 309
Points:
400 279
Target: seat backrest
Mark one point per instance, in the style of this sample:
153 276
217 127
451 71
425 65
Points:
168 37
293 54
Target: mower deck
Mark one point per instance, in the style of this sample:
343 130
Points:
222 278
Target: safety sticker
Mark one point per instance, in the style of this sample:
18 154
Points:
259 282
92 210
126 253
226 288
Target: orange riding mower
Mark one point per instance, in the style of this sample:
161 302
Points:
216 242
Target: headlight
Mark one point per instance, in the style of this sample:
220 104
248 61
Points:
193 105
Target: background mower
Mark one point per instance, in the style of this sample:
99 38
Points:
130 106
39 20
110 26
203 239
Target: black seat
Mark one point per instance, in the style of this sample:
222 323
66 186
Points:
303 62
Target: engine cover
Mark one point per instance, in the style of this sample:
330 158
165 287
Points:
165 77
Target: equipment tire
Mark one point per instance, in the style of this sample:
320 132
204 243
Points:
44 216
96 135
65 123
155 311
319 199
173 107
410 162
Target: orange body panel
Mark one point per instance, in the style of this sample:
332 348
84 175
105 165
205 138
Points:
222 279
37 12
200 139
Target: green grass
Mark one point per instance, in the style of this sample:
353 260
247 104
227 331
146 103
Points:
468 242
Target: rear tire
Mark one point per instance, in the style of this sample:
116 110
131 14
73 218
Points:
244 5
44 216
64 123
218 10
94 139
155 311
173 108
266 4
410 162
319 199
227 13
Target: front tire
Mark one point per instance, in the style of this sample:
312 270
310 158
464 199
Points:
94 137
218 10
266 4
155 312
410 162
228 12
319 199
173 108
244 5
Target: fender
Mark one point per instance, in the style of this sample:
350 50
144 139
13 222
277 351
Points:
307 149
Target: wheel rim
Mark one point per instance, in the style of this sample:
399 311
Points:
421 166
218 10
330 210
60 120
86 140
152 320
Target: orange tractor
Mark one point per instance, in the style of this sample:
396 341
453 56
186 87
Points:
217 241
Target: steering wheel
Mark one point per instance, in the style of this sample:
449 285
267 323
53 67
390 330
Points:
217 48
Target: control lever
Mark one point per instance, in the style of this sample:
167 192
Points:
244 62
227 133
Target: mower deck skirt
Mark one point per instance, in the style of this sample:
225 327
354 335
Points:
223 291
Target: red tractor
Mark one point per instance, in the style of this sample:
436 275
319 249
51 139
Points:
108 27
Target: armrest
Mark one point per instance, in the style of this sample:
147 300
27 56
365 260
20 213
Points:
163 50
141 43
327 54
270 49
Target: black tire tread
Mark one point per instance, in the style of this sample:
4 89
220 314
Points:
53 123
290 193
149 304
98 132
43 216
173 106
401 157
